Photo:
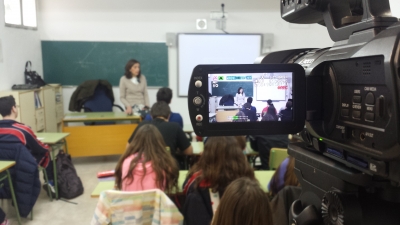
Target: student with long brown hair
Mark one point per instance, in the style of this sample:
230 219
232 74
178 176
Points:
146 164
221 163
283 176
243 203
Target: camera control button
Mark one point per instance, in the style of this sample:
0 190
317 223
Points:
357 99
345 112
370 99
370 116
197 101
198 84
199 118
356 114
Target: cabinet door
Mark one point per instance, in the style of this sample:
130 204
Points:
27 109
50 109
40 123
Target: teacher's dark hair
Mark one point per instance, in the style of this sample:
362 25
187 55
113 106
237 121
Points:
239 90
128 66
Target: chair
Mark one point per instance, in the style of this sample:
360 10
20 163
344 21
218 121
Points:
7 175
276 157
141 207
99 102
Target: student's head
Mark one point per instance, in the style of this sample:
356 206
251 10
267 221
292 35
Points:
290 178
271 110
132 69
8 107
240 117
160 109
269 101
240 90
221 163
164 94
241 140
250 100
289 105
148 145
243 203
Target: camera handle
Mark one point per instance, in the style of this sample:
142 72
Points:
376 15
299 215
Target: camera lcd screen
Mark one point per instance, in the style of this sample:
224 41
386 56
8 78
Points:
250 97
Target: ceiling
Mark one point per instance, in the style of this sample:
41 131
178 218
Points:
161 5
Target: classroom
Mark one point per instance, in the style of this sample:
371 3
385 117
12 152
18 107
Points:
69 42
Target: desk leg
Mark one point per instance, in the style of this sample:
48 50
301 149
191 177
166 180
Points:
65 145
55 173
13 197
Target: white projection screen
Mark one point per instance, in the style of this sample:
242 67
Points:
195 49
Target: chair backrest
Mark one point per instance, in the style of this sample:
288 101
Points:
141 207
277 155
99 102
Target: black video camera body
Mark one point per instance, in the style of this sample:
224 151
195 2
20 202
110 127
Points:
351 151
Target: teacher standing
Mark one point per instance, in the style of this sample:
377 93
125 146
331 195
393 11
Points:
133 87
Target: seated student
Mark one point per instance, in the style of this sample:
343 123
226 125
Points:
173 135
251 115
265 110
283 176
270 115
250 100
11 130
221 163
146 164
165 94
263 144
243 203
287 113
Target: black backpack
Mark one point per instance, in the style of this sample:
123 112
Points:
69 184
31 77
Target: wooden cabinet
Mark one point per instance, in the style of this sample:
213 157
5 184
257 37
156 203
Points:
54 108
41 109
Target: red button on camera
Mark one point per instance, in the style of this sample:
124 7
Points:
199 118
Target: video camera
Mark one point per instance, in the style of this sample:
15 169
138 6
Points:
349 161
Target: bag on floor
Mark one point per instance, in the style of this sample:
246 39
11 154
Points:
69 184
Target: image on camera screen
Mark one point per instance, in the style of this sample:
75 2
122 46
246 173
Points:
250 97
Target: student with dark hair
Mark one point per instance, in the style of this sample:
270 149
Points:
263 144
221 163
250 101
243 203
165 94
133 87
11 131
173 135
287 113
270 104
251 115
270 115
283 176
146 164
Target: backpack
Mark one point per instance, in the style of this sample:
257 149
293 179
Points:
69 184
31 77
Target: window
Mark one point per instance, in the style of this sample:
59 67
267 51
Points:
20 13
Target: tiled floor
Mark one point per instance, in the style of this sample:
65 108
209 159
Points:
80 211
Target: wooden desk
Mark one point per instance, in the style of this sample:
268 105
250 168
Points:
109 185
98 140
222 108
4 166
54 139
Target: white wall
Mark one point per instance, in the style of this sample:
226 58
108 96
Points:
18 46
103 20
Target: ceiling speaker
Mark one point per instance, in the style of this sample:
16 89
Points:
201 24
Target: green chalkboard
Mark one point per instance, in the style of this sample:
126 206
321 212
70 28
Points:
73 62
225 87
